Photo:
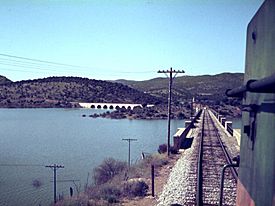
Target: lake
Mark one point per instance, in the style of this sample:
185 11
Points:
30 139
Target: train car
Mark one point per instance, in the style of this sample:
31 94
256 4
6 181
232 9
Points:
256 179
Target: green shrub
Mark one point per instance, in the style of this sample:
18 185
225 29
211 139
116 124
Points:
174 150
110 192
162 148
110 189
136 188
107 170
36 183
112 199
73 201
159 161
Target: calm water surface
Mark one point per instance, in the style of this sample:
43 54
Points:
33 138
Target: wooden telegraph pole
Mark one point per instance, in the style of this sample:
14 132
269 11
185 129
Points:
171 77
54 167
129 150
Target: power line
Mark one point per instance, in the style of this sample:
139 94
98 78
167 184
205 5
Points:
26 66
66 181
42 61
14 62
43 65
144 72
39 64
21 165
24 62
170 72
24 71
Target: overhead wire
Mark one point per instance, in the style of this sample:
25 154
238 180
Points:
39 65
22 165
32 64
25 66
42 61
57 67
49 66
18 70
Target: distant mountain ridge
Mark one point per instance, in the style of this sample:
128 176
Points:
185 87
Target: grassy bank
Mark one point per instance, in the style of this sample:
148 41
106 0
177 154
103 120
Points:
115 184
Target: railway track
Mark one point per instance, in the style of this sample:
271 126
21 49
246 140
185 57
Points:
212 157
195 179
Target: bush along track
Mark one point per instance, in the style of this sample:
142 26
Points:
114 183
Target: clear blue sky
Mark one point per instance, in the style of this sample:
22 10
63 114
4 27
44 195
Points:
123 39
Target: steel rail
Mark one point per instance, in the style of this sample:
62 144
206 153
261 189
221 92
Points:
199 200
227 156
199 194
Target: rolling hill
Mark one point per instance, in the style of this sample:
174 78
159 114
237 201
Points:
203 87
4 80
66 91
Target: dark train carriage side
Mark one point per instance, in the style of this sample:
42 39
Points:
256 184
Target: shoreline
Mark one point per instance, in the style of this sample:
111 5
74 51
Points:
111 114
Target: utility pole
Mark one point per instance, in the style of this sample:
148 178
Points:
129 151
192 108
170 72
54 167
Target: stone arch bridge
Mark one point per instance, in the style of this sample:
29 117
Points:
109 105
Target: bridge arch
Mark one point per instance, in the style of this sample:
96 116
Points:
109 105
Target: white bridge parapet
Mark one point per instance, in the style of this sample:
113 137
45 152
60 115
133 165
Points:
108 105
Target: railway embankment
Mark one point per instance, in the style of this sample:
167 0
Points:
181 187
181 184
